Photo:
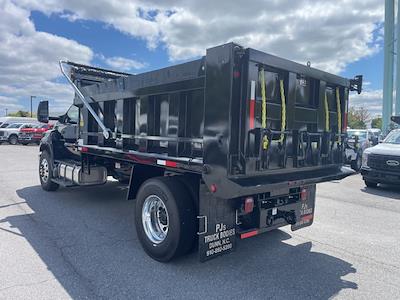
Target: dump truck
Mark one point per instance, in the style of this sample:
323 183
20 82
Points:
221 148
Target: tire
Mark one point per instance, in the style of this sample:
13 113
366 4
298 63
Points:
13 139
177 216
46 172
356 164
370 184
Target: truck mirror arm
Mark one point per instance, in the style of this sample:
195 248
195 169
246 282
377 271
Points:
106 131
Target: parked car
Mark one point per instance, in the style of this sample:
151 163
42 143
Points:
381 163
33 134
10 133
5 121
358 140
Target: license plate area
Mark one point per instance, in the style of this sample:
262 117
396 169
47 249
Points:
295 209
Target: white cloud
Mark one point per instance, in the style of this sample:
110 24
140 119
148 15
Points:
369 99
329 34
8 104
124 64
29 59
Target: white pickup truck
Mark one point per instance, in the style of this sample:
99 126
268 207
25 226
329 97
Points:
10 133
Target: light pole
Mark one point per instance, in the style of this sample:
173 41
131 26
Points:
6 112
388 50
31 103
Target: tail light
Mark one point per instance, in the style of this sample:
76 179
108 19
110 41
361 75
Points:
303 194
248 205
213 188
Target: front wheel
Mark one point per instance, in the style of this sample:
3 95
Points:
13 140
165 218
46 172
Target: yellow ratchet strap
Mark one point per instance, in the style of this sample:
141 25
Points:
263 107
339 114
326 113
283 108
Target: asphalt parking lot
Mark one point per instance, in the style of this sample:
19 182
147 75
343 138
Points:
81 243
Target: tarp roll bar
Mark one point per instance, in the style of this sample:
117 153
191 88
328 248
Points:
106 131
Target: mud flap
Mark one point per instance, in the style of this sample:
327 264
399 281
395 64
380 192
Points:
305 209
217 221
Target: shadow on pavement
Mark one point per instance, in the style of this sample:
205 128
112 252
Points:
384 190
88 234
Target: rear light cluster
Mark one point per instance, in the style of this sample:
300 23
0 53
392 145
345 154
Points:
303 194
248 205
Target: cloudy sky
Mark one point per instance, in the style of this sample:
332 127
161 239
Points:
343 37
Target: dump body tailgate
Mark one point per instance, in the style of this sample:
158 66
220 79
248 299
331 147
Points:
271 121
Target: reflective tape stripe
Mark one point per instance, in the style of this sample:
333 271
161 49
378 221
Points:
248 234
167 163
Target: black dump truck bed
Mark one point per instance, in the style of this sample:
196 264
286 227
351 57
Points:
214 116
229 145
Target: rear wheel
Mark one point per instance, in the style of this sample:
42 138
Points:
46 172
370 184
165 218
13 139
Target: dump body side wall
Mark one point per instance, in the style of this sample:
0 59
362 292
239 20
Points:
159 112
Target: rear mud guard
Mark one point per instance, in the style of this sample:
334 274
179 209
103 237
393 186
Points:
217 233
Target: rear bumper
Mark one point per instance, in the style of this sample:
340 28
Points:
228 188
380 176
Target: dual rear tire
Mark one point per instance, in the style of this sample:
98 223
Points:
165 218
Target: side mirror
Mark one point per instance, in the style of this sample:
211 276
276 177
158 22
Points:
395 119
43 112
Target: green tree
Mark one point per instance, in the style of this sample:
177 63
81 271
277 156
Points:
358 117
20 113
376 122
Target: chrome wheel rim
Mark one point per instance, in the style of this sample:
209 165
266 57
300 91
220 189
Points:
44 170
155 219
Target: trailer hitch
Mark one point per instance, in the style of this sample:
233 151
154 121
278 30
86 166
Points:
288 216
107 133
